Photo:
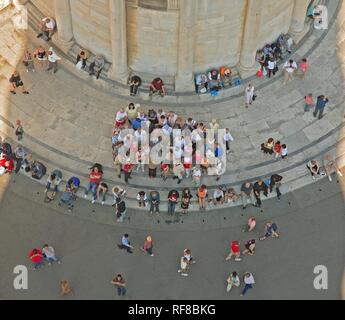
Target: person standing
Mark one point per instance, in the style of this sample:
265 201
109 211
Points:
154 200
53 59
16 82
233 280
127 169
125 244
228 138
202 196
249 281
321 103
134 83
276 180
249 95
81 59
148 246
247 194
272 67
235 251
309 102
19 157
120 283
303 68
251 224
65 288
102 190
28 61
120 207
173 197
289 68
259 187
19 130
184 267
185 200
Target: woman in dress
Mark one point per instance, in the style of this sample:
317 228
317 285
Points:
185 201
249 95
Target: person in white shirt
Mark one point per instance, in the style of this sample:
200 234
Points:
49 254
249 282
184 267
272 67
47 26
228 138
289 69
249 95
53 59
196 173
284 152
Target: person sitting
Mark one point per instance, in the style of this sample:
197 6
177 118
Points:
314 169
97 66
231 195
81 59
157 85
73 185
226 76
268 146
331 166
6 164
134 83
201 83
214 78
53 182
47 28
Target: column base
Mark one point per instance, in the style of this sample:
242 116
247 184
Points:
184 84
297 36
246 72
64 46
121 77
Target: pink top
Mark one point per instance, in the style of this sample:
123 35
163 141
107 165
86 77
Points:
304 66
309 100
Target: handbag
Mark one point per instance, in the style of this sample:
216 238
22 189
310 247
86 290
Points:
254 97
203 90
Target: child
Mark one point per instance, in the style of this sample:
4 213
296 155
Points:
278 149
141 197
309 102
284 152
19 130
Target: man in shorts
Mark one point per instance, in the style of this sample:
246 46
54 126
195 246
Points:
17 82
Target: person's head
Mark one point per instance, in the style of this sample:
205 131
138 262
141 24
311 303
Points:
322 97
131 106
82 53
187 251
234 274
247 275
46 246
35 251
310 95
260 182
16 73
47 20
95 169
126 235
119 277
304 60
203 187
328 157
149 239
291 61
53 176
278 143
269 223
284 146
248 184
18 122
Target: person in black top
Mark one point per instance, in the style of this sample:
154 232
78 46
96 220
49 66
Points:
276 182
135 83
259 187
17 82
120 208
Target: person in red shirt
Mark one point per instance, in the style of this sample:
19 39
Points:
127 169
235 251
95 179
36 258
278 149
6 163
157 85
165 168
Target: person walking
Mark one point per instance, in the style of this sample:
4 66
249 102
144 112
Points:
259 187
49 253
16 82
235 252
184 267
53 59
249 95
148 246
65 288
309 102
276 180
120 208
249 281
120 283
303 68
125 244
272 67
19 130
127 169
233 281
250 247
321 103
289 68
251 224
19 157
28 61
228 138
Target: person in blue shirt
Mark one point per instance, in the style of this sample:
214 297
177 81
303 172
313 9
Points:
125 244
320 106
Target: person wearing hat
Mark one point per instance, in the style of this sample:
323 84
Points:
53 59
148 246
118 193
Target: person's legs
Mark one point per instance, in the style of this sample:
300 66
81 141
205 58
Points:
321 113
88 189
244 200
92 69
156 207
246 288
229 287
94 191
19 162
119 291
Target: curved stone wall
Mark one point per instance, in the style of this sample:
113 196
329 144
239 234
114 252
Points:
176 37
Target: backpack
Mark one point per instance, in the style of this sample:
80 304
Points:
39 170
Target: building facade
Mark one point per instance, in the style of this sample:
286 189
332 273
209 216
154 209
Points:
175 38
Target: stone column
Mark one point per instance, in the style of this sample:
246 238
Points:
185 62
118 33
298 17
250 36
63 16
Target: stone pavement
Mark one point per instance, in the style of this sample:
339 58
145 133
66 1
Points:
311 229
68 121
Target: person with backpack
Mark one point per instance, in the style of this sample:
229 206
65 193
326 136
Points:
120 209
16 82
